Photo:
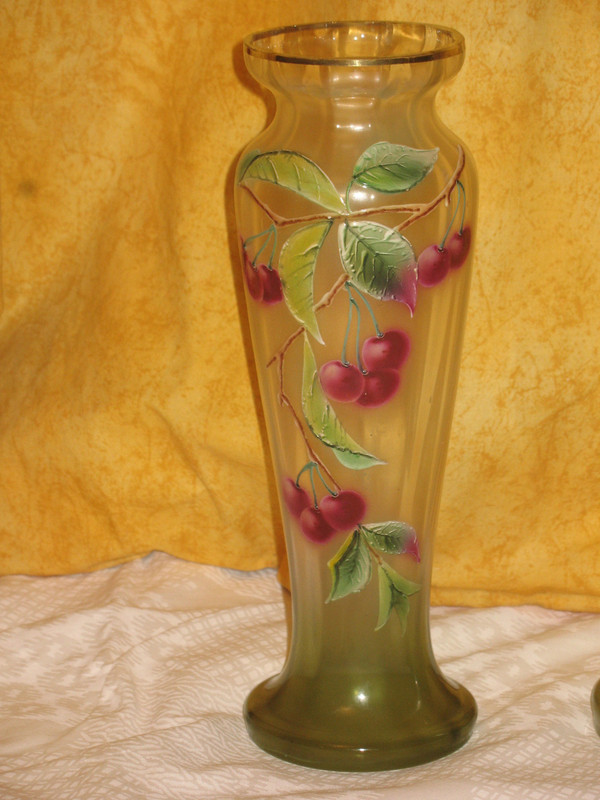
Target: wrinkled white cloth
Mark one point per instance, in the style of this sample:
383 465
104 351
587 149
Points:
128 684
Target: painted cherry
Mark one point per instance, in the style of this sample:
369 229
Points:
380 386
433 265
314 525
343 511
253 281
458 246
342 382
271 284
295 497
388 351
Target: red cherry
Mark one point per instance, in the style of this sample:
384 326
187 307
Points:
388 351
295 497
342 382
314 525
343 511
458 246
433 265
253 281
380 386
271 284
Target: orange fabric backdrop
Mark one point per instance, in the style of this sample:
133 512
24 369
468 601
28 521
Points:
128 411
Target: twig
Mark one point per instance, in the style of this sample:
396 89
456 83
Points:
284 401
422 209
312 456
325 301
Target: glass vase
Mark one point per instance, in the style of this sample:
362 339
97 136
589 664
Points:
356 211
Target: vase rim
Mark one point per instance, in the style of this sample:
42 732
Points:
285 43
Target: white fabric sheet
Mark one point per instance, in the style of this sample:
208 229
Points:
128 684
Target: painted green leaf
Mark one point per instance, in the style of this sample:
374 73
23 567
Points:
296 270
243 163
392 538
379 260
394 591
295 172
323 422
393 168
350 567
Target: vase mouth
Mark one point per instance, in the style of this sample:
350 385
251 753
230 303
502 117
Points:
355 43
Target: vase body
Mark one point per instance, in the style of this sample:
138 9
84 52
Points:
356 211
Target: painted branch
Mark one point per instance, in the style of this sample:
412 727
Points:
415 210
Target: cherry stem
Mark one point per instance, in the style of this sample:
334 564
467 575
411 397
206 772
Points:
323 481
443 242
311 466
358 361
254 236
269 233
314 491
460 188
272 232
344 360
349 286
308 465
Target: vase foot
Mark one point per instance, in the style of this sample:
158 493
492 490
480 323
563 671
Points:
365 725
596 707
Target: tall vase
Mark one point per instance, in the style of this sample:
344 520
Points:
356 210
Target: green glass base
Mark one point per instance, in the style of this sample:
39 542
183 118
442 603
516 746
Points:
596 706
365 724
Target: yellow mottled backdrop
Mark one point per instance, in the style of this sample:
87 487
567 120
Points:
128 412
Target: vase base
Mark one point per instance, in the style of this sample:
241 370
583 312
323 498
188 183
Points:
384 728
596 707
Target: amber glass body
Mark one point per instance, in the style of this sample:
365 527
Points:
351 697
